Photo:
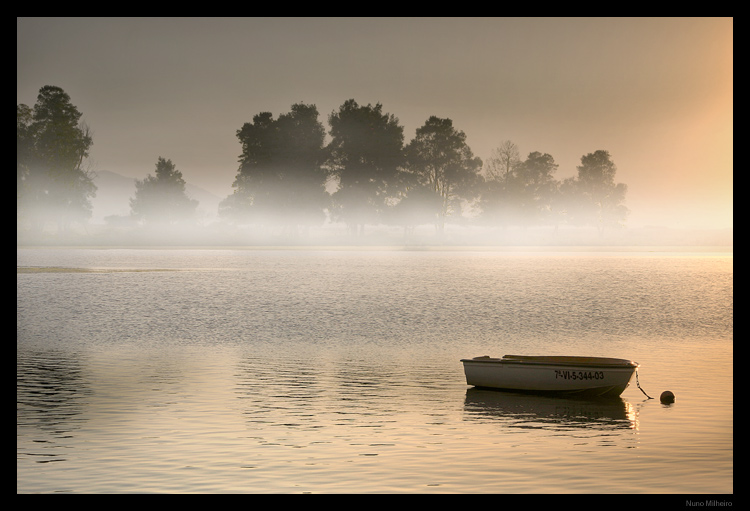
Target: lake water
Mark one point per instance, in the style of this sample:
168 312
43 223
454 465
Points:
337 371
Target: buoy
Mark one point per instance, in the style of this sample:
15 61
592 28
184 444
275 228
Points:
667 397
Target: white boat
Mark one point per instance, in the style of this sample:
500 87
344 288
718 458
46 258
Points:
584 376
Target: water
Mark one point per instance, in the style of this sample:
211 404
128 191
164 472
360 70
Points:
337 371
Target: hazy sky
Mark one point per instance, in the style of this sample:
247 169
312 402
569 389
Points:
657 93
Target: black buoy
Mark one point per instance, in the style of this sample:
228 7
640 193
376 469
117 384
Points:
667 397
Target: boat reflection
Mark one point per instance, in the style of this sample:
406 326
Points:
537 411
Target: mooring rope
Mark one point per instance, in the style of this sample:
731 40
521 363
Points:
639 385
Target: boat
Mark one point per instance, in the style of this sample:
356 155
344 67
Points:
566 375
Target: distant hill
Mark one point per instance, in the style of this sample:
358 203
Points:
114 192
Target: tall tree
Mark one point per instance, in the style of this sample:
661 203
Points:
593 197
24 151
281 179
537 188
52 146
443 162
500 198
366 151
161 198
502 162
521 193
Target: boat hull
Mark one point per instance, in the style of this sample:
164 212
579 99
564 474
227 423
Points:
581 376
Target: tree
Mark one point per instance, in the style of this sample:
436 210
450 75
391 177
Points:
416 204
281 179
52 144
255 160
500 199
365 154
522 193
24 150
502 162
593 197
161 199
537 188
443 162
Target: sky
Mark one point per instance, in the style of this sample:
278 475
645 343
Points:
657 93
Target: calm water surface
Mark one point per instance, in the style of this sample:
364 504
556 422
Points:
319 371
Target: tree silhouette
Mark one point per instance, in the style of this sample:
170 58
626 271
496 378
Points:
593 197
161 199
52 145
444 163
536 189
281 179
518 192
502 162
499 200
366 151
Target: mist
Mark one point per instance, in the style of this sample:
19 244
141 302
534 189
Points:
112 225
655 95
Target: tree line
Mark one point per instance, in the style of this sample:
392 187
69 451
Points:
290 179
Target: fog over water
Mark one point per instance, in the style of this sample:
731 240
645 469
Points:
110 225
